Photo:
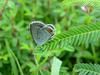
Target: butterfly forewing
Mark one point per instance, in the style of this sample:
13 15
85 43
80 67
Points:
35 27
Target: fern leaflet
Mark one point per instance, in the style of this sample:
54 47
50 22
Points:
81 35
87 69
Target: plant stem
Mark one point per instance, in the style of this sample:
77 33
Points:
11 53
94 53
37 64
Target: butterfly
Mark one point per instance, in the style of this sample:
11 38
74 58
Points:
41 32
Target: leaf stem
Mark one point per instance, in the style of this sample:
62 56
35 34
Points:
11 52
94 53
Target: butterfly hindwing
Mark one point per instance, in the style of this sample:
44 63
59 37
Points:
43 35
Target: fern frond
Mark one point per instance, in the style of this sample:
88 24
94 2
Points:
81 35
95 3
87 69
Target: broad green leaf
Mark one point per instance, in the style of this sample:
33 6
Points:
55 66
12 61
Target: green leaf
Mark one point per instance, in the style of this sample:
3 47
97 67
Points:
70 48
0 73
12 61
77 36
87 69
56 64
2 3
95 3
1 64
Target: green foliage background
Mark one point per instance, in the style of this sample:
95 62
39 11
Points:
77 38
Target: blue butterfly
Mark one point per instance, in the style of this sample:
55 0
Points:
41 32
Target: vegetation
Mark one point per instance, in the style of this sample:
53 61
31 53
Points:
73 50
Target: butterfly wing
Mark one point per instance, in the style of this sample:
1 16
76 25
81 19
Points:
35 26
51 29
43 36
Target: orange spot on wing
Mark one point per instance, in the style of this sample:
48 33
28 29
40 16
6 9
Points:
49 30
